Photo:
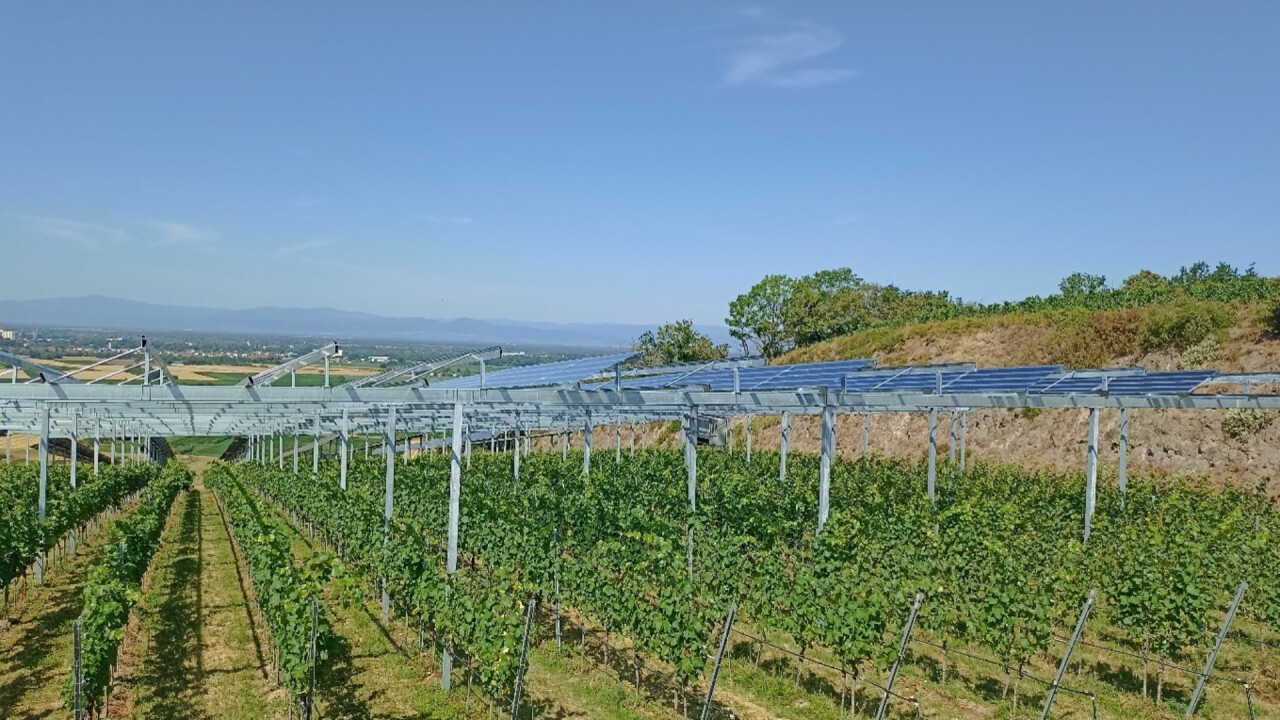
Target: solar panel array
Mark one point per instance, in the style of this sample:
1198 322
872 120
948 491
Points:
859 376
562 372
1156 383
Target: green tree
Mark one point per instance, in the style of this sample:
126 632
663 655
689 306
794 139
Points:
1145 280
678 342
758 320
1082 284
827 304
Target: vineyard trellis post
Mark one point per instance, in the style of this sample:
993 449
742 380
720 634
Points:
715 668
524 655
295 451
1122 473
824 467
343 445
866 433
1217 645
77 673
633 438
784 444
750 419
1066 654
902 650
42 505
451 551
617 437
933 453
75 452
515 455
964 431
1091 473
389 449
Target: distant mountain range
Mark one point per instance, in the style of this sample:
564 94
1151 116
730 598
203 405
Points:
95 311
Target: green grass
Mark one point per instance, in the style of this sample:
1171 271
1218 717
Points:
204 446
199 652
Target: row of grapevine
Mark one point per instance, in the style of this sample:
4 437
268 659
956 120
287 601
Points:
287 594
111 588
998 555
22 537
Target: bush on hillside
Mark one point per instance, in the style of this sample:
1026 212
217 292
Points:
1200 355
1273 320
1182 325
1243 423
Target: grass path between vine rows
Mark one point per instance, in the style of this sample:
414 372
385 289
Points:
36 637
194 649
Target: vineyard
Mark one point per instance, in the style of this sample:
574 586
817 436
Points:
997 559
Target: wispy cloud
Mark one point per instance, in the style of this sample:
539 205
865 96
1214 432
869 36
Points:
86 235
447 219
176 233
302 247
844 221
771 58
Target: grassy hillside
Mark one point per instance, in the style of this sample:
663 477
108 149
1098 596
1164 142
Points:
1186 334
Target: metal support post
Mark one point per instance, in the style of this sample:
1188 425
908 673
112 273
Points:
1091 473
295 451
1066 654
344 444
97 444
964 432
1217 645
902 650
784 444
451 553
866 433
715 669
515 455
748 438
955 432
691 471
75 447
586 445
315 447
1122 472
633 438
617 442
824 468
326 371
933 453
389 446
43 496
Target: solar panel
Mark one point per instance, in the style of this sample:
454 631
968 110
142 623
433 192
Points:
553 373
1010 379
1162 383
1142 383
774 377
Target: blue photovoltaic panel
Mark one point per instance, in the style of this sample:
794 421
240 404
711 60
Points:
1011 379
554 373
775 377
1066 385
1179 382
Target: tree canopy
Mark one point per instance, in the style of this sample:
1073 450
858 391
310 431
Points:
678 342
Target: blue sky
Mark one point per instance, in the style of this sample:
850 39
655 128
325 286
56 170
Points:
633 162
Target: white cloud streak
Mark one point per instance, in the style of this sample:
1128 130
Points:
86 235
447 219
288 250
176 233
770 59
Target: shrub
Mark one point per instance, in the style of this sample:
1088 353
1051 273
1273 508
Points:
1273 320
1180 326
1243 423
1201 354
